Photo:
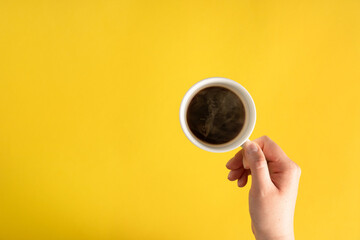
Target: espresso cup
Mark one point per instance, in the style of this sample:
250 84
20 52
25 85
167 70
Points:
222 90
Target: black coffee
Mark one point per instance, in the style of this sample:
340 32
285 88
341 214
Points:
216 115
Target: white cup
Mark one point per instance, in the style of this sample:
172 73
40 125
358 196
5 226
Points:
250 114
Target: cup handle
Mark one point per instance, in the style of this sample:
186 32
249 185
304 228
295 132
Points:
242 145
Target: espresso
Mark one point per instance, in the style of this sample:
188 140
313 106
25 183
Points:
216 115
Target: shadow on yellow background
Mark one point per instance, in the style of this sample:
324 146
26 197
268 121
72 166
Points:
90 141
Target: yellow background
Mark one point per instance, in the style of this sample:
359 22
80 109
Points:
90 141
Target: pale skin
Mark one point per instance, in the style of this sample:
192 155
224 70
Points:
274 187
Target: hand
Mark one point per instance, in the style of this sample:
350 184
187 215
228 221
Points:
273 192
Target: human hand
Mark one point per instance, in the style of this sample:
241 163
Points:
273 192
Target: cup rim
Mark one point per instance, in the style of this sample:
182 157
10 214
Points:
244 96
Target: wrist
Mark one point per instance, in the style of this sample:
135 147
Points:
287 236
276 231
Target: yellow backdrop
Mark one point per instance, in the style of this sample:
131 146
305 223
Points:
90 140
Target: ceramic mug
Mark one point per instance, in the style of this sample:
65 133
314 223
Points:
250 114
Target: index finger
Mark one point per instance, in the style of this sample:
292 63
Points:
236 162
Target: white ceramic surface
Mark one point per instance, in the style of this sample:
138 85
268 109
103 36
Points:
250 113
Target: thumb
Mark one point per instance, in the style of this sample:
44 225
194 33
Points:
255 159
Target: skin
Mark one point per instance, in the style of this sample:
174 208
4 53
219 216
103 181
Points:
274 187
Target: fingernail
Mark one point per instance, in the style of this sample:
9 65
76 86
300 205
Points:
251 148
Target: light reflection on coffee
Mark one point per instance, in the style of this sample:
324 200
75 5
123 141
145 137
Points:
215 115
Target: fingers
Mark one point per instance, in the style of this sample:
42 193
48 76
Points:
278 161
236 174
237 170
239 174
242 181
258 166
272 151
236 162
266 162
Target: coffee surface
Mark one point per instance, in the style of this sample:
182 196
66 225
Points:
216 115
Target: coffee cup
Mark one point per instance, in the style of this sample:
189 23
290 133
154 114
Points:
217 114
